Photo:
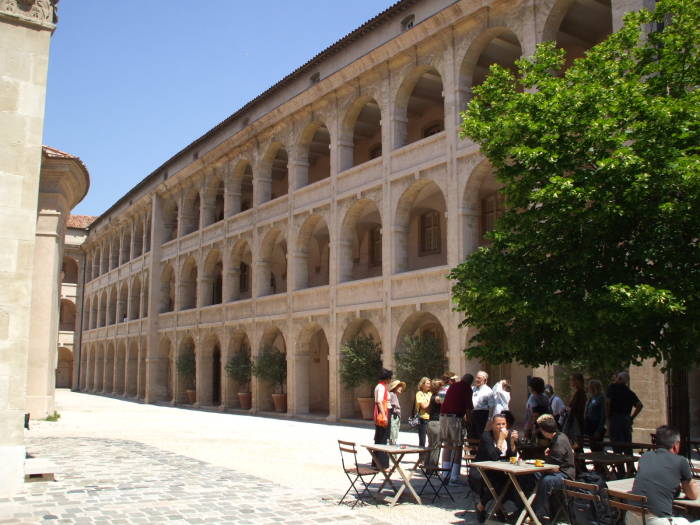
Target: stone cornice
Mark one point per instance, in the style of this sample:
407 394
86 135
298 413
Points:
39 14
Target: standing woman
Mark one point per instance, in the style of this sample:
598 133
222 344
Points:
576 409
434 424
381 414
396 388
423 397
594 417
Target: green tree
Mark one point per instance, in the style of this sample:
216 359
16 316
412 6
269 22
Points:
597 256
418 357
271 366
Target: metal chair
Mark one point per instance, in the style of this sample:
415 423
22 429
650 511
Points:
439 474
626 502
355 471
579 497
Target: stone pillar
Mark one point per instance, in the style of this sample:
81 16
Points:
300 401
346 150
649 383
298 172
263 188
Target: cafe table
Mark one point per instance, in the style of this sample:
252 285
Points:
396 453
512 471
625 485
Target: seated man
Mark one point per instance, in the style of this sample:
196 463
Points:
559 453
659 475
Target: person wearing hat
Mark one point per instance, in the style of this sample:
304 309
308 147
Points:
396 388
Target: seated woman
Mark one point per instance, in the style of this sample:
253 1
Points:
559 453
496 444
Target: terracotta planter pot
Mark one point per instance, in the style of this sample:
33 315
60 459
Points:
245 400
280 402
191 396
366 407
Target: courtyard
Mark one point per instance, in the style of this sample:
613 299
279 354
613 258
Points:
122 462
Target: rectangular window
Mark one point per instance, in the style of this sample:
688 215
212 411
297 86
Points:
430 233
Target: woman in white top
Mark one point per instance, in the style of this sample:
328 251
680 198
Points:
500 397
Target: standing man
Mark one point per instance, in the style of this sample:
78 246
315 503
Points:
454 416
660 473
556 404
619 403
481 397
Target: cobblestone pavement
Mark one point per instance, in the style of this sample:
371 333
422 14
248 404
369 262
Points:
100 481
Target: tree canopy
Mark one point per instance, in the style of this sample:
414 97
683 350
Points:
596 257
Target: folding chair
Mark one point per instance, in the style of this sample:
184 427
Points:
348 456
626 502
469 452
579 497
439 474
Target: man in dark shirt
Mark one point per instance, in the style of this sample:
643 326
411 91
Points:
559 453
454 414
661 471
619 403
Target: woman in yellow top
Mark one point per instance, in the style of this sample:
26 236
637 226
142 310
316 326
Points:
422 403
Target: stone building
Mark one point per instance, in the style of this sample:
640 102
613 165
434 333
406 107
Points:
333 204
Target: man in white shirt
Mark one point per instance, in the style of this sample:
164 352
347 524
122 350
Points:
481 399
555 403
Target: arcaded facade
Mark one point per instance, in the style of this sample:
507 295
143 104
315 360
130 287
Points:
334 204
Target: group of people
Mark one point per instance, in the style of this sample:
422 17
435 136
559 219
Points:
450 408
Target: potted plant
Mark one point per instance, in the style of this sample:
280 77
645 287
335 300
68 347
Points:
361 364
186 366
419 356
239 369
271 366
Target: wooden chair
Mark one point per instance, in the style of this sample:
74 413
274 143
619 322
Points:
579 497
354 471
625 502
469 449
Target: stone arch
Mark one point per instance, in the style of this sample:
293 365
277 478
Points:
122 302
125 251
483 204
497 45
271 269
167 289
99 369
272 179
64 368
241 187
138 237
114 252
186 348
135 299
348 405
94 320
361 133
238 342
104 258
191 204
360 244
112 308
212 278
87 314
213 206
109 369
147 235
187 286
241 271
420 228
171 219
311 371
315 155
209 372
120 369
132 369
273 337
67 316
312 257
163 375
578 25
420 106
69 269
102 316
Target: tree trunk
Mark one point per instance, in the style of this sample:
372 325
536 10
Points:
679 405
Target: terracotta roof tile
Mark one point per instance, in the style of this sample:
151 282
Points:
80 221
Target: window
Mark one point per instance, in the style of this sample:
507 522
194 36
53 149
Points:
375 151
375 246
407 23
243 278
430 233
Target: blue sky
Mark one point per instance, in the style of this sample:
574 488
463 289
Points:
131 82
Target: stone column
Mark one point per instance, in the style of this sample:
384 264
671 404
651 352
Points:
298 171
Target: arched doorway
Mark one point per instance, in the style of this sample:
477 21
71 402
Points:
64 368
311 372
360 249
348 405
272 338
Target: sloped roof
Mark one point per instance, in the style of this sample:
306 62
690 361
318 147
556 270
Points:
80 221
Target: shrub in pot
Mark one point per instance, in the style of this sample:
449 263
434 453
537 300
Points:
271 366
418 357
239 368
360 365
186 366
